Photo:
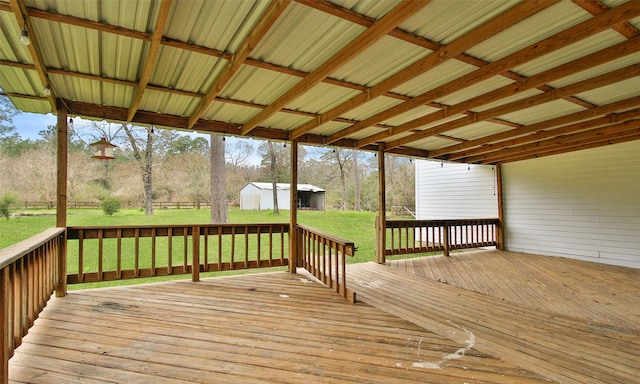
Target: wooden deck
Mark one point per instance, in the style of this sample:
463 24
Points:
569 321
264 328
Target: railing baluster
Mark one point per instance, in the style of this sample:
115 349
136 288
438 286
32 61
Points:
153 251
170 251
119 253
246 246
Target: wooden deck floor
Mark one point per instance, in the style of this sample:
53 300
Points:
266 328
569 321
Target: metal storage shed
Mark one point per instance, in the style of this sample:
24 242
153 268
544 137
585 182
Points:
259 196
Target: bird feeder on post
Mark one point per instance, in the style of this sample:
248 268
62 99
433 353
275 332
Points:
103 149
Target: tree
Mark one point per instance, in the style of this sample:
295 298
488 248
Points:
276 164
145 162
356 178
219 204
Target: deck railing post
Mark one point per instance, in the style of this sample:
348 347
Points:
447 244
4 325
195 263
61 287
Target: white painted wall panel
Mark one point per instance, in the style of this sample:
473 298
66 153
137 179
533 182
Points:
454 191
583 205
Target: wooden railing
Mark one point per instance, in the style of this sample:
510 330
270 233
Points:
324 256
129 252
418 236
29 274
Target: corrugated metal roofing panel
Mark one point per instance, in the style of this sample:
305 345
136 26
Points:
329 128
174 104
35 106
410 115
599 70
569 53
372 9
474 90
322 98
433 142
372 107
371 67
230 113
542 112
365 133
544 24
10 47
444 20
612 93
184 70
222 25
257 85
477 130
305 38
21 81
442 74
116 95
507 100
285 121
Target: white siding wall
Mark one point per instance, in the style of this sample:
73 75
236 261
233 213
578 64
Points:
455 191
583 205
250 198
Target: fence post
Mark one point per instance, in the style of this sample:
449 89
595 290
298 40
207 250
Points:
195 263
446 239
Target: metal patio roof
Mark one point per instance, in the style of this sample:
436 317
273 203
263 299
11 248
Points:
488 81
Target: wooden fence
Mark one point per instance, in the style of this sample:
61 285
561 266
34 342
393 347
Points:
129 252
324 256
29 274
125 204
418 236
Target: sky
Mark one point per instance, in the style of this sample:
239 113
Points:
29 124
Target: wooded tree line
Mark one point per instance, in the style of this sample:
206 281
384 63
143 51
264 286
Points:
169 165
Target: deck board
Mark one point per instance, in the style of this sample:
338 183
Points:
538 313
262 328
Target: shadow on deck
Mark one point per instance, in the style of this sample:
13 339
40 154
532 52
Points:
567 320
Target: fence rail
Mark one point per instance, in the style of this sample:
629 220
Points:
28 276
418 236
125 204
324 256
129 252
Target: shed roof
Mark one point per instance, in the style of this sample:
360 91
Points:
287 186
478 82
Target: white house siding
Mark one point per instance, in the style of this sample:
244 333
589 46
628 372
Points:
583 205
455 191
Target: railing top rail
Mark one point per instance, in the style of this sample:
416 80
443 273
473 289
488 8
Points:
14 252
328 236
203 225
446 221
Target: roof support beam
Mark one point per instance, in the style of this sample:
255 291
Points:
626 131
590 61
156 38
22 17
263 25
438 56
571 35
556 94
372 34
574 118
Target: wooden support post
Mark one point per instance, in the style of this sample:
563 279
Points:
5 313
195 262
500 239
61 199
381 227
293 212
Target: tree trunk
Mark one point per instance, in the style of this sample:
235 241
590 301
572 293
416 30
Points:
356 178
219 207
274 181
147 174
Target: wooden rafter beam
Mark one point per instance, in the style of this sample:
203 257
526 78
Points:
596 7
546 137
617 133
438 56
456 152
270 15
532 101
566 37
22 17
154 47
379 29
